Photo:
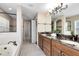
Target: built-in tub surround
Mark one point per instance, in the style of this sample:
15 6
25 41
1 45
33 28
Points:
7 37
7 50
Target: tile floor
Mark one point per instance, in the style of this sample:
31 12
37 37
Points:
29 49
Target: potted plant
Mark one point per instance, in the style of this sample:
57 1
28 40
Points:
58 31
72 32
72 35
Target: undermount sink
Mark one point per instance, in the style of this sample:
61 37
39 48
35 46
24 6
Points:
70 42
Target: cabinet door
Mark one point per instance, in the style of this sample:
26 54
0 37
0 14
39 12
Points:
40 41
47 46
56 52
64 54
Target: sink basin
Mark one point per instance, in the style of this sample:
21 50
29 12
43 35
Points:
73 44
70 42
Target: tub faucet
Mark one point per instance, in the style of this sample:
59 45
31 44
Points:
14 42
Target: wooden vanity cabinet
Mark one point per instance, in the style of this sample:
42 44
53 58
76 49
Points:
47 46
52 47
40 41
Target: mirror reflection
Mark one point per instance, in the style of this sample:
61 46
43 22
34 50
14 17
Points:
7 22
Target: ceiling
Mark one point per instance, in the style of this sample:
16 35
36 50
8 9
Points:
29 10
73 9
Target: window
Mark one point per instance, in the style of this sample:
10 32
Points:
69 25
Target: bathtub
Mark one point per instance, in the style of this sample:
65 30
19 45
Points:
8 50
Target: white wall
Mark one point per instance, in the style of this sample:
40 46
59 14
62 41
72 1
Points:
19 25
6 37
44 22
33 31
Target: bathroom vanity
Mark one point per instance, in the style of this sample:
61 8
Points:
45 44
56 47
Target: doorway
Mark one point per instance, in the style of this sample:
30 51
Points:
27 31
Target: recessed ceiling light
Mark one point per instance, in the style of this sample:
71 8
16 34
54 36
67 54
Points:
10 8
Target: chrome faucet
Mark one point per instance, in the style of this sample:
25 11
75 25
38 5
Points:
14 42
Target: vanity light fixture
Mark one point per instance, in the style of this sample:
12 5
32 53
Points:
59 8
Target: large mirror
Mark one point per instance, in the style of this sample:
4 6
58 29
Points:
59 25
7 22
